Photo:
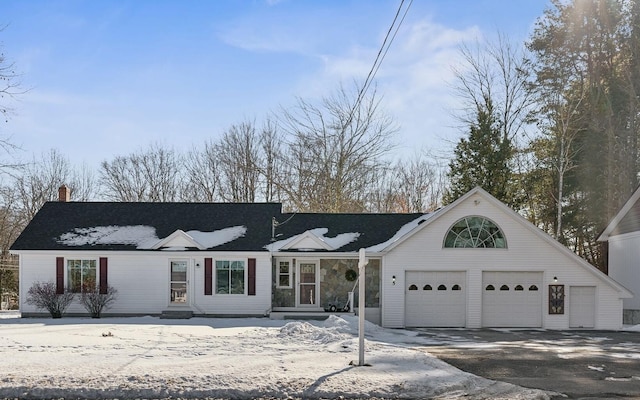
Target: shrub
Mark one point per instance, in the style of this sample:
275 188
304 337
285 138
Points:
44 296
94 301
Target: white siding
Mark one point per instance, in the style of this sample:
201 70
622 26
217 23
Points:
624 265
142 281
526 252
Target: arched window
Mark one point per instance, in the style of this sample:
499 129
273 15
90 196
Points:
456 287
413 287
533 288
442 287
490 287
504 287
427 287
518 288
475 232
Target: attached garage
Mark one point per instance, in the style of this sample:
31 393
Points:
435 299
476 263
512 299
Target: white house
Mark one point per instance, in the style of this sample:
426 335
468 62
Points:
474 263
623 237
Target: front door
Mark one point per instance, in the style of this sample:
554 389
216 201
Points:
308 284
178 291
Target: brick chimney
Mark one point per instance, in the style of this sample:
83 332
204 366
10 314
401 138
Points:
64 193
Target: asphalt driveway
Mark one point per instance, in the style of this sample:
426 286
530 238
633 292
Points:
579 364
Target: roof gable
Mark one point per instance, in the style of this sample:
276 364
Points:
178 239
484 195
626 220
307 240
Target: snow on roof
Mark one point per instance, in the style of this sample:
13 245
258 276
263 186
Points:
405 229
219 237
333 242
141 236
144 237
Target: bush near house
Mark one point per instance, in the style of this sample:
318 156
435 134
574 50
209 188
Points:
44 296
95 301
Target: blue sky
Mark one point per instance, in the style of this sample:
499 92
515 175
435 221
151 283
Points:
108 78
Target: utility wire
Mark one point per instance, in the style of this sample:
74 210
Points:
384 48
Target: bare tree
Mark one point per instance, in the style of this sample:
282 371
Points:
238 160
151 175
334 151
271 161
10 87
12 223
493 84
39 180
419 183
494 76
411 185
201 174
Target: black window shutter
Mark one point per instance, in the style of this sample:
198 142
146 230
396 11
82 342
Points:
59 275
104 283
251 277
208 276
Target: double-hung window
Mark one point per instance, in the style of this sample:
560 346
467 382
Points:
284 274
81 274
230 277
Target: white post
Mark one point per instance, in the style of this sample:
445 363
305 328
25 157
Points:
361 304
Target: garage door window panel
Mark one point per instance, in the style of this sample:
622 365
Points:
475 232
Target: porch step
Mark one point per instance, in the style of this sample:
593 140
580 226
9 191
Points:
318 316
176 314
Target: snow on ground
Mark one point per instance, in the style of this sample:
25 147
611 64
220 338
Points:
145 357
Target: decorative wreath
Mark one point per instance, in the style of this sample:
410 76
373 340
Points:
350 275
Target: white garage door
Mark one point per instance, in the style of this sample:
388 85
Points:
512 299
582 306
435 299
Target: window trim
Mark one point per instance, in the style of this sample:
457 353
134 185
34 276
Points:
449 231
82 284
245 267
289 274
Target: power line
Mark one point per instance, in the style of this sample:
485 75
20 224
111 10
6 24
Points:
384 49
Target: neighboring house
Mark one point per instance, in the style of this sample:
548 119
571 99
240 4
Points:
623 237
474 263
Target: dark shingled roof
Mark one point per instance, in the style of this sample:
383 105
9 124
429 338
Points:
373 228
57 218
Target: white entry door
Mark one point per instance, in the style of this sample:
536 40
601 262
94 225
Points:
178 285
582 306
307 289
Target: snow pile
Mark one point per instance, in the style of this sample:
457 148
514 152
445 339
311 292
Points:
224 358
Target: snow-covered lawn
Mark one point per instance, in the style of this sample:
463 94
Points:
147 357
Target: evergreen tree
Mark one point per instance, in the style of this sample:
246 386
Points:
481 159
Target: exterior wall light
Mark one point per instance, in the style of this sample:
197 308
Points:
393 280
555 279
